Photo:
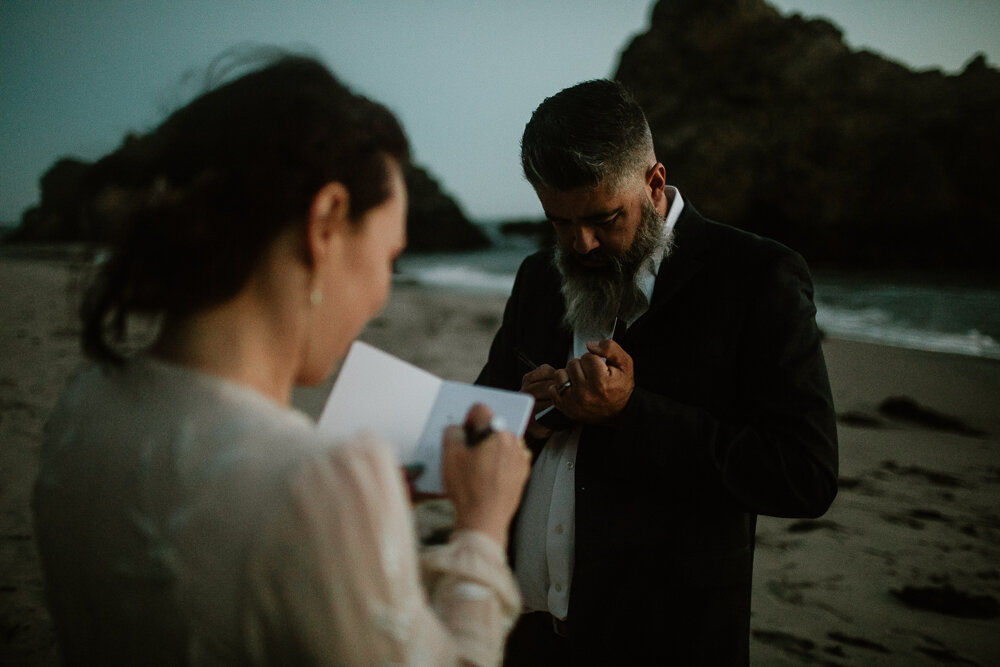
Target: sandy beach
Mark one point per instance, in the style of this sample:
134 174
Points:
903 570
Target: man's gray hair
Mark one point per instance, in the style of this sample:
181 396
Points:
591 133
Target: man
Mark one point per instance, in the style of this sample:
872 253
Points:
711 405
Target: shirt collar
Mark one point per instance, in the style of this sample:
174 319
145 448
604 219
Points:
648 278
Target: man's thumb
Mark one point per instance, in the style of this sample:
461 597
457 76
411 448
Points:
612 352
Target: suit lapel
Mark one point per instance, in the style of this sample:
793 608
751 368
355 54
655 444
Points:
557 347
683 263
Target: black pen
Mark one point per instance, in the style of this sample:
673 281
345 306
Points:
532 365
475 436
523 358
617 333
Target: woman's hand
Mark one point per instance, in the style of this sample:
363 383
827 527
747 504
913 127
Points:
484 482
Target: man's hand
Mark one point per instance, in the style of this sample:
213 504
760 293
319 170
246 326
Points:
538 383
602 381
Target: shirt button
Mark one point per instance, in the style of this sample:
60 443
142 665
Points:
569 465
558 588
559 529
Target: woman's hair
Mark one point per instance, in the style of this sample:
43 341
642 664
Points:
202 197
590 133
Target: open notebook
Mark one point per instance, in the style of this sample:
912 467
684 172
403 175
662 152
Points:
409 408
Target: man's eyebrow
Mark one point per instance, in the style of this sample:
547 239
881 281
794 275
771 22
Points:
600 216
604 215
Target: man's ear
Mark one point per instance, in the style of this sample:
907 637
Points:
328 219
656 186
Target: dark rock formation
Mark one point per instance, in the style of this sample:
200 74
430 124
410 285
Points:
435 221
79 201
947 600
62 194
541 231
906 409
773 124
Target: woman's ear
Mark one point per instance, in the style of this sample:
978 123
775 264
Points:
328 219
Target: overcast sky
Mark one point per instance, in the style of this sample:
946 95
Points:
463 75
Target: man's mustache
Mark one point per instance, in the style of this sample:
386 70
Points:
595 260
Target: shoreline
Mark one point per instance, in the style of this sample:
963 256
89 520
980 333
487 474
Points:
903 570
488 274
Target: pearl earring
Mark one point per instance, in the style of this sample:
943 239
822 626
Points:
316 297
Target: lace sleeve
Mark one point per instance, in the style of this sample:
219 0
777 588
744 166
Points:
473 593
337 580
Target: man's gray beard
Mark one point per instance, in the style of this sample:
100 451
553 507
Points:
595 297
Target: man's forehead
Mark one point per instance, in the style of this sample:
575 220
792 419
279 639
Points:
584 203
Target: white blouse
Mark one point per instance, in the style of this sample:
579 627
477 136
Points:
183 519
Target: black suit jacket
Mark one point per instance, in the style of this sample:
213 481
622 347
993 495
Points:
731 417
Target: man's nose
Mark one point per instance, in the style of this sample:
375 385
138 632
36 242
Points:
584 240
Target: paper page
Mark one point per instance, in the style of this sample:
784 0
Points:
453 402
409 408
380 394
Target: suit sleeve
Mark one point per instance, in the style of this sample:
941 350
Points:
774 451
501 369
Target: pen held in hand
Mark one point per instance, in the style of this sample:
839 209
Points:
524 359
474 436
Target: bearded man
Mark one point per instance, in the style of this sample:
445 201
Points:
685 359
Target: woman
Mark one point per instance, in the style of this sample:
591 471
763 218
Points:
185 513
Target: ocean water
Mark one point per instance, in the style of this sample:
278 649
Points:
925 312
921 311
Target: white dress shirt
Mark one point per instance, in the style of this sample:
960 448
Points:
544 537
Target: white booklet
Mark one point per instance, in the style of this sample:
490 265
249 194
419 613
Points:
409 408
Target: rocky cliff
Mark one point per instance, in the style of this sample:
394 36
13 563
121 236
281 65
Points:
435 221
774 124
75 206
